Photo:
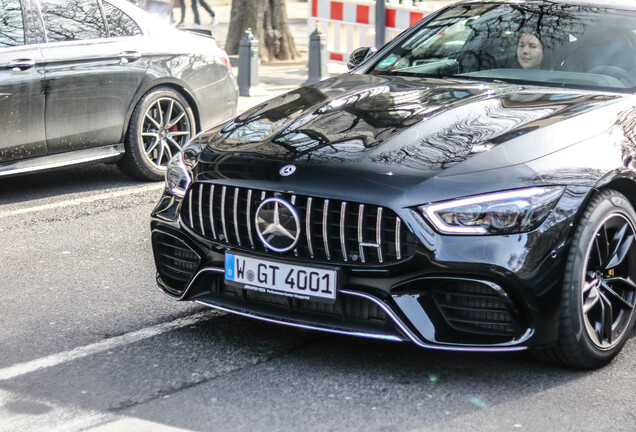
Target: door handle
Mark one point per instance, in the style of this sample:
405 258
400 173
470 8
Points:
18 65
129 57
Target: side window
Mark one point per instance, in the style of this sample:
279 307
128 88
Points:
72 20
119 24
11 25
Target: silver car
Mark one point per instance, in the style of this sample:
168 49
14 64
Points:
101 81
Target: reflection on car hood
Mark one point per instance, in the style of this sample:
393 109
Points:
399 124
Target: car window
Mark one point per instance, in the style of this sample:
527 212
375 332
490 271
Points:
67 20
547 43
11 25
119 24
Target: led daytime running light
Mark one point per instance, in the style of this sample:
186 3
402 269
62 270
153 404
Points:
500 199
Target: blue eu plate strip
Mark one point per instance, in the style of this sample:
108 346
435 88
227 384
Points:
229 266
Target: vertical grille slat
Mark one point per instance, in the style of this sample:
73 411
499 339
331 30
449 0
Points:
398 243
223 224
235 211
343 243
334 231
325 236
308 227
201 209
361 232
190 208
249 217
212 212
378 234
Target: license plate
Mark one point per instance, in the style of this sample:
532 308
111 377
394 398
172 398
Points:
274 277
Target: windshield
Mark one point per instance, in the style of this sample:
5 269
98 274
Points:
544 43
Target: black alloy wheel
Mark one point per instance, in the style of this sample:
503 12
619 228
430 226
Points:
161 125
608 291
599 291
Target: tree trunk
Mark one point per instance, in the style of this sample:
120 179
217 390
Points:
268 21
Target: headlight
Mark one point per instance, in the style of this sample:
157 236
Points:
178 177
178 171
508 212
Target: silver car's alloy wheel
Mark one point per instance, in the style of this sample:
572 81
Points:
608 293
166 128
161 124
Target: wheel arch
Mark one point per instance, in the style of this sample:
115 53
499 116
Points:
625 183
626 186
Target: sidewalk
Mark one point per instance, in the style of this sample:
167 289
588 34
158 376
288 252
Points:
297 13
275 78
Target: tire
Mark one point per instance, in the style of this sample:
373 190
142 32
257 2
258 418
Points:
599 292
161 124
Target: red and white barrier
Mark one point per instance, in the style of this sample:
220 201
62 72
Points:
350 24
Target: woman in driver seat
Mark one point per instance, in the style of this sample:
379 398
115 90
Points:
530 51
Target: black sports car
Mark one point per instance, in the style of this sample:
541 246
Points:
103 81
470 186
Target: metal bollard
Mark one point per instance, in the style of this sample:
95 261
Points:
317 57
248 66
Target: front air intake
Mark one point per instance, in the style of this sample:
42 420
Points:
474 307
176 262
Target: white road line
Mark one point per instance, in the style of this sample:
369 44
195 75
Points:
55 417
108 344
52 418
83 200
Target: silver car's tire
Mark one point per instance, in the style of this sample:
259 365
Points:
161 125
599 287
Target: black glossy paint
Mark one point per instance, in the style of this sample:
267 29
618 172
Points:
438 131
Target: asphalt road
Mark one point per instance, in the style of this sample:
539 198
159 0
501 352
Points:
88 343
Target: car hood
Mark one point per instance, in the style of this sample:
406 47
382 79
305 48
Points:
404 126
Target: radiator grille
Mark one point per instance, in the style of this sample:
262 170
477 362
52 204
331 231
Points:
334 231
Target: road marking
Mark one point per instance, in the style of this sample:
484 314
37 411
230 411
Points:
83 200
23 413
108 344
135 424
50 417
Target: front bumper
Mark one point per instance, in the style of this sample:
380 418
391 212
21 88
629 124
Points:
479 293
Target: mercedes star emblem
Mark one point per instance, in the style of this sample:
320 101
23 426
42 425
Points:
277 224
287 170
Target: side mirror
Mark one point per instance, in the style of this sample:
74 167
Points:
359 56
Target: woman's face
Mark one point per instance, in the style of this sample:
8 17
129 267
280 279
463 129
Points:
529 51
